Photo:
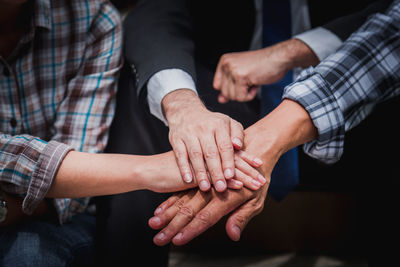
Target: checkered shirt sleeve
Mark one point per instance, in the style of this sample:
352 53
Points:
344 88
81 110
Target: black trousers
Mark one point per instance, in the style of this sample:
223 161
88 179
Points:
123 234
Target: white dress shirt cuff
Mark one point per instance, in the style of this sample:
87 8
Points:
322 41
163 83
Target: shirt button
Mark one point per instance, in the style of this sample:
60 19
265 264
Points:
6 71
13 122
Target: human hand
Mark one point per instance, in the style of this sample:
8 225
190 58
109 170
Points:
201 138
187 215
239 75
160 173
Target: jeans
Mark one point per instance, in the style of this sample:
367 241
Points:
43 243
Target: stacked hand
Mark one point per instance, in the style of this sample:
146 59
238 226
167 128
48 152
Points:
239 75
186 215
204 144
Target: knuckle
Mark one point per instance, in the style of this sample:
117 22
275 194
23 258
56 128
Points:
211 153
187 212
216 174
201 174
204 217
258 207
240 219
179 203
225 147
196 153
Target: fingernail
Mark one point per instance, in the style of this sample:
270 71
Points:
262 179
156 220
220 186
239 183
228 173
204 185
160 236
236 231
187 177
178 236
157 211
237 142
258 161
256 183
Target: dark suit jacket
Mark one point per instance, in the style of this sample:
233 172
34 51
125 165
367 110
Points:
162 34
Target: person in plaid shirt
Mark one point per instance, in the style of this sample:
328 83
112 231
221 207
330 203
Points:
59 61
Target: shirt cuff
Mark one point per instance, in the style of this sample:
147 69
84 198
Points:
312 92
43 175
322 41
163 83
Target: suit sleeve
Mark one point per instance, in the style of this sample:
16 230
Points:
158 36
344 26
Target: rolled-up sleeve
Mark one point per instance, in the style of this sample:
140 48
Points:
28 166
344 88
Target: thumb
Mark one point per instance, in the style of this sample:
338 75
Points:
238 220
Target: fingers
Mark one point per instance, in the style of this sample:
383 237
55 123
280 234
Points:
234 184
247 181
247 174
169 208
166 204
219 206
250 159
178 216
182 160
225 148
238 220
213 161
236 134
218 77
251 93
196 158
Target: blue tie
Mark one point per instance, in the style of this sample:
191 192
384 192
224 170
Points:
277 28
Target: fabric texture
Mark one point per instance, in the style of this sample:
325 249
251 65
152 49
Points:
343 89
44 243
57 94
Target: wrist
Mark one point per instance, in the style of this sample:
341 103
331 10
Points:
175 103
286 127
297 54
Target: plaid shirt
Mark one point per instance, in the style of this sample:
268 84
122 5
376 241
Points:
57 93
344 88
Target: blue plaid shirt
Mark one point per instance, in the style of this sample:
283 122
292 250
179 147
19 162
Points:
57 93
344 88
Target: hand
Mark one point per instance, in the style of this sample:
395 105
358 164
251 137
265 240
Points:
160 173
239 75
186 215
200 136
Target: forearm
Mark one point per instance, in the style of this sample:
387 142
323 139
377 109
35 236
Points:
287 126
83 174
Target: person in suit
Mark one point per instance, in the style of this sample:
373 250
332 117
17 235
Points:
172 49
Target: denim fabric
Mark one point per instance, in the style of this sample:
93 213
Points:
43 243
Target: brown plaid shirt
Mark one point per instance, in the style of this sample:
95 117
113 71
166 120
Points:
57 93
